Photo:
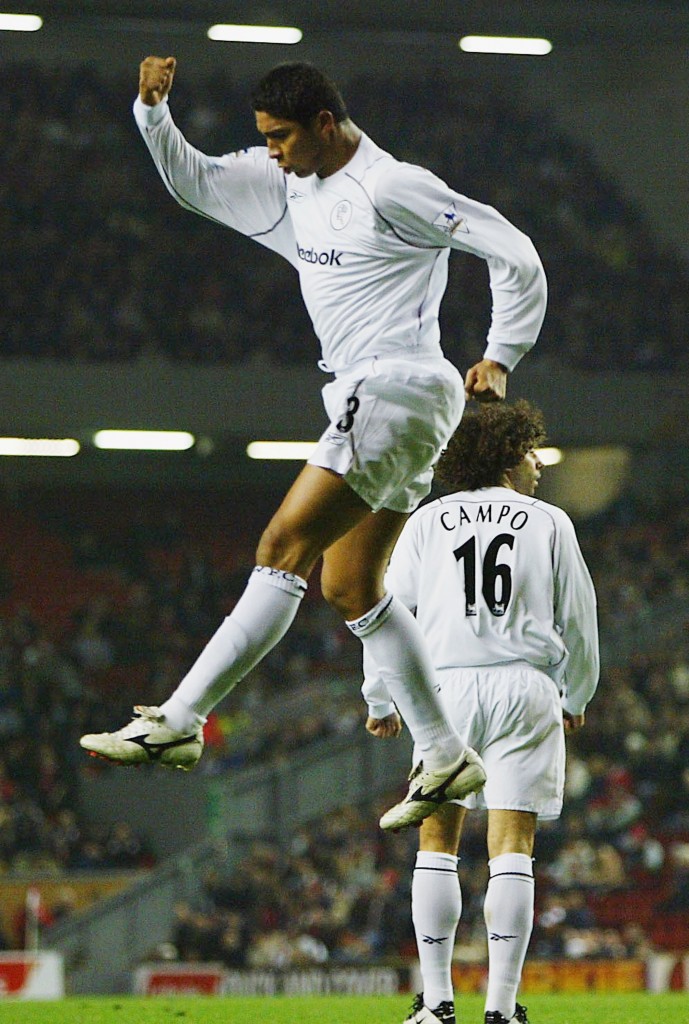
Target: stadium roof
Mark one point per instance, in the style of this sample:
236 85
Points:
607 20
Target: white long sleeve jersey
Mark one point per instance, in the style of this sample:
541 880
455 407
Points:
370 243
496 577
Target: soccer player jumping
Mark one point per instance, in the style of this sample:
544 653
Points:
370 238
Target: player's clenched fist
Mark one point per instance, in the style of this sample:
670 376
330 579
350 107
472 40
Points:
486 382
155 79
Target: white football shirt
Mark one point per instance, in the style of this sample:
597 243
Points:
496 577
370 243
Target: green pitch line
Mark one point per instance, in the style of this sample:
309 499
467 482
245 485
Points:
585 1008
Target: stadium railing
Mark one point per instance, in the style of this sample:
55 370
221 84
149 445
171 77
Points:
103 946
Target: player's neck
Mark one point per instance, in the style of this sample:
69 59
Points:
345 145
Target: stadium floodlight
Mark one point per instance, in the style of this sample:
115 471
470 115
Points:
297 450
20 22
144 440
254 34
52 447
550 456
520 45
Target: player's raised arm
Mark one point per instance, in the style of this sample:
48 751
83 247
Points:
155 79
244 190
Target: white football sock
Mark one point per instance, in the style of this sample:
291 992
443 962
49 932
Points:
508 911
393 639
261 617
436 906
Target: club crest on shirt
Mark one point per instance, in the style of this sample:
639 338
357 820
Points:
341 214
450 221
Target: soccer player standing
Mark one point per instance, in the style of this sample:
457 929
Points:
505 600
370 238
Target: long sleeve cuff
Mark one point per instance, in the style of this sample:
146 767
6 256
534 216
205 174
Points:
507 355
381 710
147 116
573 707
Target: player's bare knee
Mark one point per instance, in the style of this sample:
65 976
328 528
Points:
279 548
272 547
348 597
284 548
336 594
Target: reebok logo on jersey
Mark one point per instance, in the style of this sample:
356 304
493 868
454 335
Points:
325 259
450 221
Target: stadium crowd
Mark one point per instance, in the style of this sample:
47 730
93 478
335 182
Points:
81 206
339 891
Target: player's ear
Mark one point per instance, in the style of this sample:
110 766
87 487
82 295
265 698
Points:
325 122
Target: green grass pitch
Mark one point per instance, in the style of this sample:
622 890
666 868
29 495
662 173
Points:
578 1008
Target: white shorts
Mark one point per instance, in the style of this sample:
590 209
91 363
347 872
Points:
510 714
389 421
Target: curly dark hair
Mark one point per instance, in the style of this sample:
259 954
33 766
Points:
489 441
298 92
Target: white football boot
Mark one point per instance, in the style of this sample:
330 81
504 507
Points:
429 789
147 740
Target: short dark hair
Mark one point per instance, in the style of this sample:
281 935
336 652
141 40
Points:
298 92
489 441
